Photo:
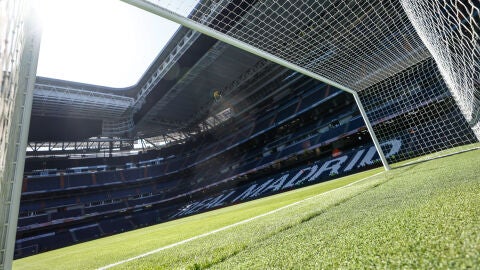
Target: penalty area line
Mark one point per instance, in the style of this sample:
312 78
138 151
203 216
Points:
230 226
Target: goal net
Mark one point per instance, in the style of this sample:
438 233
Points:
402 71
450 30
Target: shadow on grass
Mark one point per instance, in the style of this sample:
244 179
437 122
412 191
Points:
304 219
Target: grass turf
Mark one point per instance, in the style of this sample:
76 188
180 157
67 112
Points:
425 215
97 253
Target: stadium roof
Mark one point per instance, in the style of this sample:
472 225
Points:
175 93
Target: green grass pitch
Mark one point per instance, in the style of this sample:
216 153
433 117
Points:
422 216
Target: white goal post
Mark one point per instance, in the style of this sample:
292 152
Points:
19 49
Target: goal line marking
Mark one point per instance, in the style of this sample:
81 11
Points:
432 156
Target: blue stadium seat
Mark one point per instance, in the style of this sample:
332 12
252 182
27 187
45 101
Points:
286 112
104 208
42 183
85 233
263 124
66 214
156 170
26 206
116 225
133 174
78 180
175 164
146 188
58 202
107 177
144 200
144 219
93 197
122 193
24 221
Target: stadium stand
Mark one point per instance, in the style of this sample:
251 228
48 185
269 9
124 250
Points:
309 135
236 127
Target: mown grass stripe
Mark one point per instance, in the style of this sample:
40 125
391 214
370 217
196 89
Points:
421 217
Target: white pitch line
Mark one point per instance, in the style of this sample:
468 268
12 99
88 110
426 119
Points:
432 156
228 226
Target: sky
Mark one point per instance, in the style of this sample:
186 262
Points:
102 42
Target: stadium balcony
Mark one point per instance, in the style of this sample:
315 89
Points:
120 195
101 175
82 180
71 181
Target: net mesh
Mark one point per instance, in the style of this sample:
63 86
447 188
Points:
416 108
370 47
451 32
349 42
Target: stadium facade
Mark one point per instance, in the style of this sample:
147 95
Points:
233 127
